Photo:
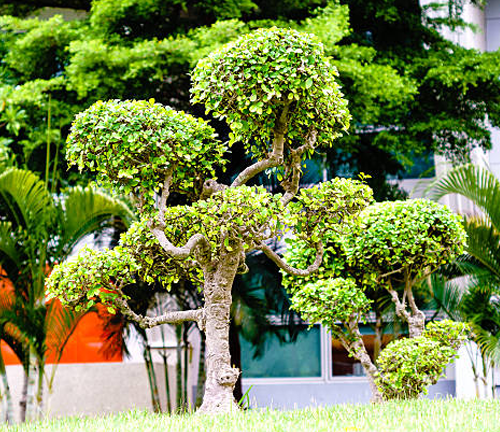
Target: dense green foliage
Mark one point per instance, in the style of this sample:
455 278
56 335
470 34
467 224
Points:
387 67
136 144
407 367
330 302
250 87
389 245
405 240
150 151
385 244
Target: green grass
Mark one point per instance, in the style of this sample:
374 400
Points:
416 416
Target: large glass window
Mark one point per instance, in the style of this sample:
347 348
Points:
298 359
343 364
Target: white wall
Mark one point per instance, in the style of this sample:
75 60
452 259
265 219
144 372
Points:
93 388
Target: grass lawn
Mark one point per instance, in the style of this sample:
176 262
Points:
417 416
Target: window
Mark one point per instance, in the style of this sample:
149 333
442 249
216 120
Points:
343 364
298 359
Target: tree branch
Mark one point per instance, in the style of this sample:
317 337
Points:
165 192
292 270
176 317
180 253
293 169
400 307
275 158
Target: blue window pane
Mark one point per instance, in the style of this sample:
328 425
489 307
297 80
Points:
301 358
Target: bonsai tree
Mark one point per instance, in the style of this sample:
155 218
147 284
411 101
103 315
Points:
277 92
392 246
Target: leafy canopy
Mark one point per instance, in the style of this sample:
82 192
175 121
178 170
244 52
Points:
251 81
407 367
405 236
135 144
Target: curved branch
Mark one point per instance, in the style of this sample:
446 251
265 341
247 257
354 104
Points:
274 159
197 240
176 317
401 311
292 270
291 185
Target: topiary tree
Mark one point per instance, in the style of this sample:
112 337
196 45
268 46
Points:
399 244
391 245
277 92
407 367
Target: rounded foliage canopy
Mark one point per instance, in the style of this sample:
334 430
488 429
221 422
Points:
250 81
408 366
134 144
90 277
412 235
330 301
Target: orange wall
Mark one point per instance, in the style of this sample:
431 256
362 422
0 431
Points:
84 345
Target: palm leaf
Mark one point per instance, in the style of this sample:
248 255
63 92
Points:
447 295
60 323
475 183
87 210
10 252
483 244
25 198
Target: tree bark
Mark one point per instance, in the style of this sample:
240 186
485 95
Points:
356 347
221 377
235 350
31 386
200 387
24 396
8 416
416 324
379 333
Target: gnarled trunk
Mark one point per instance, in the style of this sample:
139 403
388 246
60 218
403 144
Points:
416 324
355 346
235 350
220 376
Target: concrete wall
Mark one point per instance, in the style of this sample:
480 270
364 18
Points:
93 388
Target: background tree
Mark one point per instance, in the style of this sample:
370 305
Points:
388 67
266 86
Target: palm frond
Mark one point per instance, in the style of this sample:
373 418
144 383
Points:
87 210
483 244
61 322
475 183
25 198
10 253
447 295
488 343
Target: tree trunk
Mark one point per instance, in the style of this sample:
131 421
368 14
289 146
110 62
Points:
8 416
379 333
221 377
200 387
235 350
24 396
416 324
180 402
150 369
39 391
356 347
31 386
